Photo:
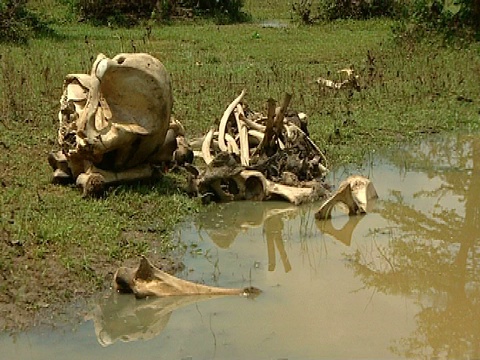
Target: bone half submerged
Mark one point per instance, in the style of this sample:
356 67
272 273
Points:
147 280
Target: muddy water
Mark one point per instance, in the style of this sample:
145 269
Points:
402 281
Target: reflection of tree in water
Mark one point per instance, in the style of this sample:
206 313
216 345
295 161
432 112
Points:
436 258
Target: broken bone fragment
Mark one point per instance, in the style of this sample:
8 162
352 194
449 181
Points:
148 280
351 81
356 192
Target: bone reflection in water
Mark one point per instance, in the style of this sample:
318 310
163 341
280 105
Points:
342 234
224 227
237 217
124 318
273 230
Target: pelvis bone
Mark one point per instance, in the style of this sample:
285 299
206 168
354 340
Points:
356 192
147 280
115 122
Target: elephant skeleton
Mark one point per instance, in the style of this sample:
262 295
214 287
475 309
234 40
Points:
257 157
115 123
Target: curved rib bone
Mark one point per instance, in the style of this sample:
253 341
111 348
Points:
232 145
223 121
207 157
252 124
256 134
243 133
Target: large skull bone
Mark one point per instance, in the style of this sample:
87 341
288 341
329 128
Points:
115 122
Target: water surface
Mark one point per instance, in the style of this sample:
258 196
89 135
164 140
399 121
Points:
401 281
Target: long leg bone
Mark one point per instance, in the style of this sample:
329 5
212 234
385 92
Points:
94 181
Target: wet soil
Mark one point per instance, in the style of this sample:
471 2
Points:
35 291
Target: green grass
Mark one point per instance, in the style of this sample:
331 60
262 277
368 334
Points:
408 91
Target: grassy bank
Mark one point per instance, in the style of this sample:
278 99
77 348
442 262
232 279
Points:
56 246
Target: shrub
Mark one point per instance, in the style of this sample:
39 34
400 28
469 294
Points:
306 11
225 11
18 23
424 17
358 9
417 18
119 12
310 11
128 13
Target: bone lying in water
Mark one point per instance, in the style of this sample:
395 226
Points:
124 319
147 280
356 192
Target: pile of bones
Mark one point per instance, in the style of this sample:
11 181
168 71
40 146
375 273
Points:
116 126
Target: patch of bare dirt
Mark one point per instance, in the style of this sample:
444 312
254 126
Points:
37 291
33 288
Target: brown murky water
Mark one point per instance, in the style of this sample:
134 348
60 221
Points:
402 281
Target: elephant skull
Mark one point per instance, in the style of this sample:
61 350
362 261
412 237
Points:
115 122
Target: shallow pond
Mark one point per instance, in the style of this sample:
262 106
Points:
401 281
